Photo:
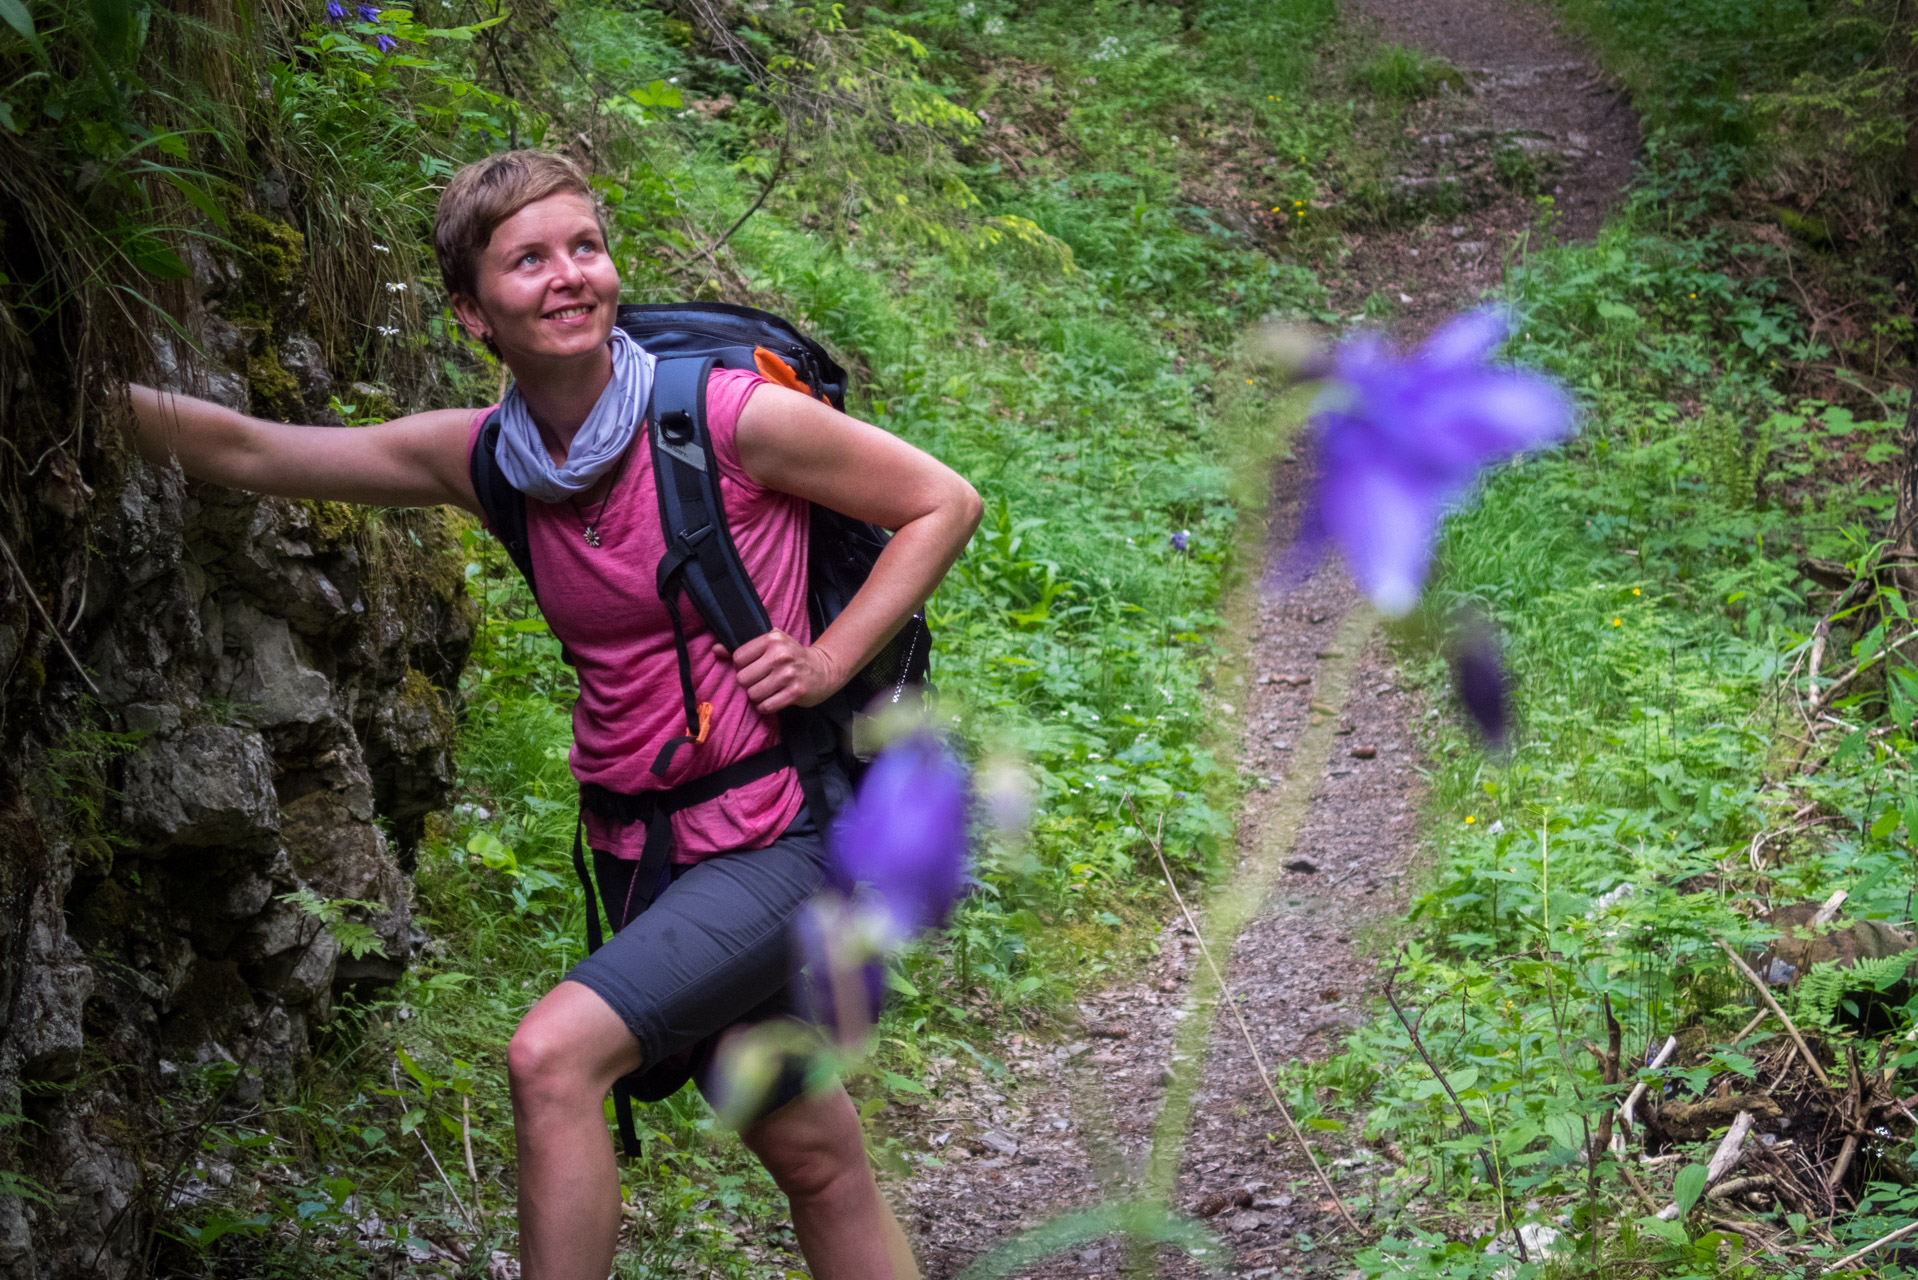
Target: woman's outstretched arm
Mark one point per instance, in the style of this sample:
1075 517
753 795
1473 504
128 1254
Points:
798 445
416 461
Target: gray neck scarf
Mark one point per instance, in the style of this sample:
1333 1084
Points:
600 441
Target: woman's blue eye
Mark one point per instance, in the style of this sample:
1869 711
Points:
529 258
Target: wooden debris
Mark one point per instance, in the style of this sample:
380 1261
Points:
1765 994
1723 1161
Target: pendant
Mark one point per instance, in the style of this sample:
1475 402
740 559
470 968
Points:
591 535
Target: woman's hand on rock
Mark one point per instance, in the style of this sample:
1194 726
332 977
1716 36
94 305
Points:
777 671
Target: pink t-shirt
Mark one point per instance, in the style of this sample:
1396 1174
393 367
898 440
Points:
603 604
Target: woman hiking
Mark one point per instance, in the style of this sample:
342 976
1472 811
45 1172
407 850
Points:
523 251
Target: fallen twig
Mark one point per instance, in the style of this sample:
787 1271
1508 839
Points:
466 1141
1626 1117
1820 637
1764 993
428 1149
1723 1160
52 628
1285 1113
1471 1126
1644 1196
1879 1243
1853 1112
1864 664
1737 1185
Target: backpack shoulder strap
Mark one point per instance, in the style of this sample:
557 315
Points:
505 506
700 559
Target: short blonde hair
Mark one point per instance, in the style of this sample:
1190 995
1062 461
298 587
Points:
488 192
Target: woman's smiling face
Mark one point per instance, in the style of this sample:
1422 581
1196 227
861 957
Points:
548 290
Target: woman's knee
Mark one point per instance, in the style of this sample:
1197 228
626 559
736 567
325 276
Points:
810 1146
568 1050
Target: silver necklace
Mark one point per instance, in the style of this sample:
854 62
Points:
589 529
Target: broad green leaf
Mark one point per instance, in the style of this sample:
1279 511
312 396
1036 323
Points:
658 95
197 196
1886 823
15 15
1688 1186
155 257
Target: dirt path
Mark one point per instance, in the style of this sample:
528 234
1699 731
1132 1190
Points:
1156 1097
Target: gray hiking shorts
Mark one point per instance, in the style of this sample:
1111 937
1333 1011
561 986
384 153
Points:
714 951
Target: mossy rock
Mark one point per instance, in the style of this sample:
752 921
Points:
275 392
334 522
273 269
373 403
419 695
1813 231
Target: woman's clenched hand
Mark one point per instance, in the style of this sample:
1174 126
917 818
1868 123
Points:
777 671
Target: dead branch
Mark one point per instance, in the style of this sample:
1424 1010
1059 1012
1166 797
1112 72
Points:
1471 1126
52 629
1626 1118
1864 664
1852 1111
1735 1186
1723 1161
1879 1243
1764 994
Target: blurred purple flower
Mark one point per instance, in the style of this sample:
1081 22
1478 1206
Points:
335 11
1479 676
1398 439
369 13
1181 540
904 833
842 987
386 43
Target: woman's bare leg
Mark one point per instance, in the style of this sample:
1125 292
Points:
567 1052
815 1151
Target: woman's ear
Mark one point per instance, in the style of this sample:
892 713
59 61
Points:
471 317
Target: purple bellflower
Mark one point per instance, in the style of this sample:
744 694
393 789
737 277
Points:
1181 541
1479 676
369 13
386 43
335 11
842 949
904 834
896 864
1399 439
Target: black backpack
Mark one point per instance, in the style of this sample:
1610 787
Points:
690 340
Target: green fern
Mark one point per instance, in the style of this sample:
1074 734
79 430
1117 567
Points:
1822 990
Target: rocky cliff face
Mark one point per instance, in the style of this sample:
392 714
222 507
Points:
267 728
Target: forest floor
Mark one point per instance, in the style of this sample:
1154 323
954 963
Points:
1152 1092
